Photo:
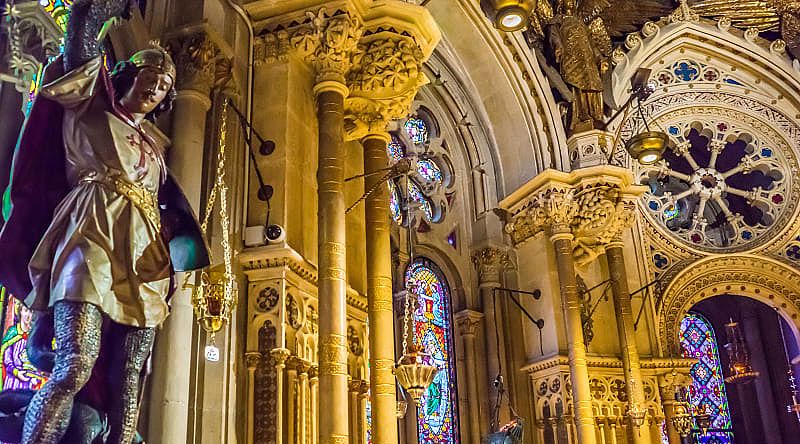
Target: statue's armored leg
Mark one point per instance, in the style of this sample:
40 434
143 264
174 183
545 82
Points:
130 354
77 334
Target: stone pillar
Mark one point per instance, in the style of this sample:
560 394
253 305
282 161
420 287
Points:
169 410
312 382
667 385
354 412
379 294
291 404
579 370
280 355
490 263
363 398
468 322
302 405
634 384
338 36
252 359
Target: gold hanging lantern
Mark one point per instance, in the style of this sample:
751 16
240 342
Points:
682 420
415 372
215 295
741 371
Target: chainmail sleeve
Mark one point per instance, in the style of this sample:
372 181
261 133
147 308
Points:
86 20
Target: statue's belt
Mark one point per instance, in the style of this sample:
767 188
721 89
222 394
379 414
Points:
140 197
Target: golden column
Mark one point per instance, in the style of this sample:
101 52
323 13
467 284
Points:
385 76
252 359
582 212
379 294
561 237
337 36
634 385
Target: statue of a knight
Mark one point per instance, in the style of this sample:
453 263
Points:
95 230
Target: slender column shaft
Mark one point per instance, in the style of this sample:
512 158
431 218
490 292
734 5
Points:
314 407
169 414
631 366
291 384
379 294
252 359
280 355
333 428
363 398
579 370
302 409
668 404
472 388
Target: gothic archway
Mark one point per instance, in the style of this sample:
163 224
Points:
766 280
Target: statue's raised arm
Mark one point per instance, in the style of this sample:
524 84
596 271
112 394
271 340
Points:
86 21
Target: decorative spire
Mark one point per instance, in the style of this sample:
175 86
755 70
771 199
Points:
684 13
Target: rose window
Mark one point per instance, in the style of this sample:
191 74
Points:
719 186
427 186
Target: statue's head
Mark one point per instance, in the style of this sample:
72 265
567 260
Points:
145 83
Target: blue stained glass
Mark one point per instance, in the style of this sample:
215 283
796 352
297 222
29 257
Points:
437 416
395 150
394 202
417 130
686 71
672 212
708 389
766 152
674 130
428 169
416 194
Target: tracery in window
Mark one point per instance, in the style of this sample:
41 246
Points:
707 389
437 416
720 186
430 181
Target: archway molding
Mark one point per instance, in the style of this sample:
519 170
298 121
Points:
763 279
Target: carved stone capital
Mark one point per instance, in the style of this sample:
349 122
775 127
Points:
468 322
490 263
591 205
199 62
327 42
385 75
280 355
252 359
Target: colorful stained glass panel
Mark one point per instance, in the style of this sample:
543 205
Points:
395 150
59 10
707 389
394 202
428 169
417 130
17 370
436 414
416 194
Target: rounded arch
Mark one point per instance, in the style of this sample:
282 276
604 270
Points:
763 279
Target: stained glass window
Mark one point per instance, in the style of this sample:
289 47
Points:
59 10
707 389
429 170
395 150
417 130
416 194
436 414
17 371
394 203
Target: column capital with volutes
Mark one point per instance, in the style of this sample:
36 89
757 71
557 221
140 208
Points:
468 322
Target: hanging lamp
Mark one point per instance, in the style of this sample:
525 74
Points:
415 369
741 372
